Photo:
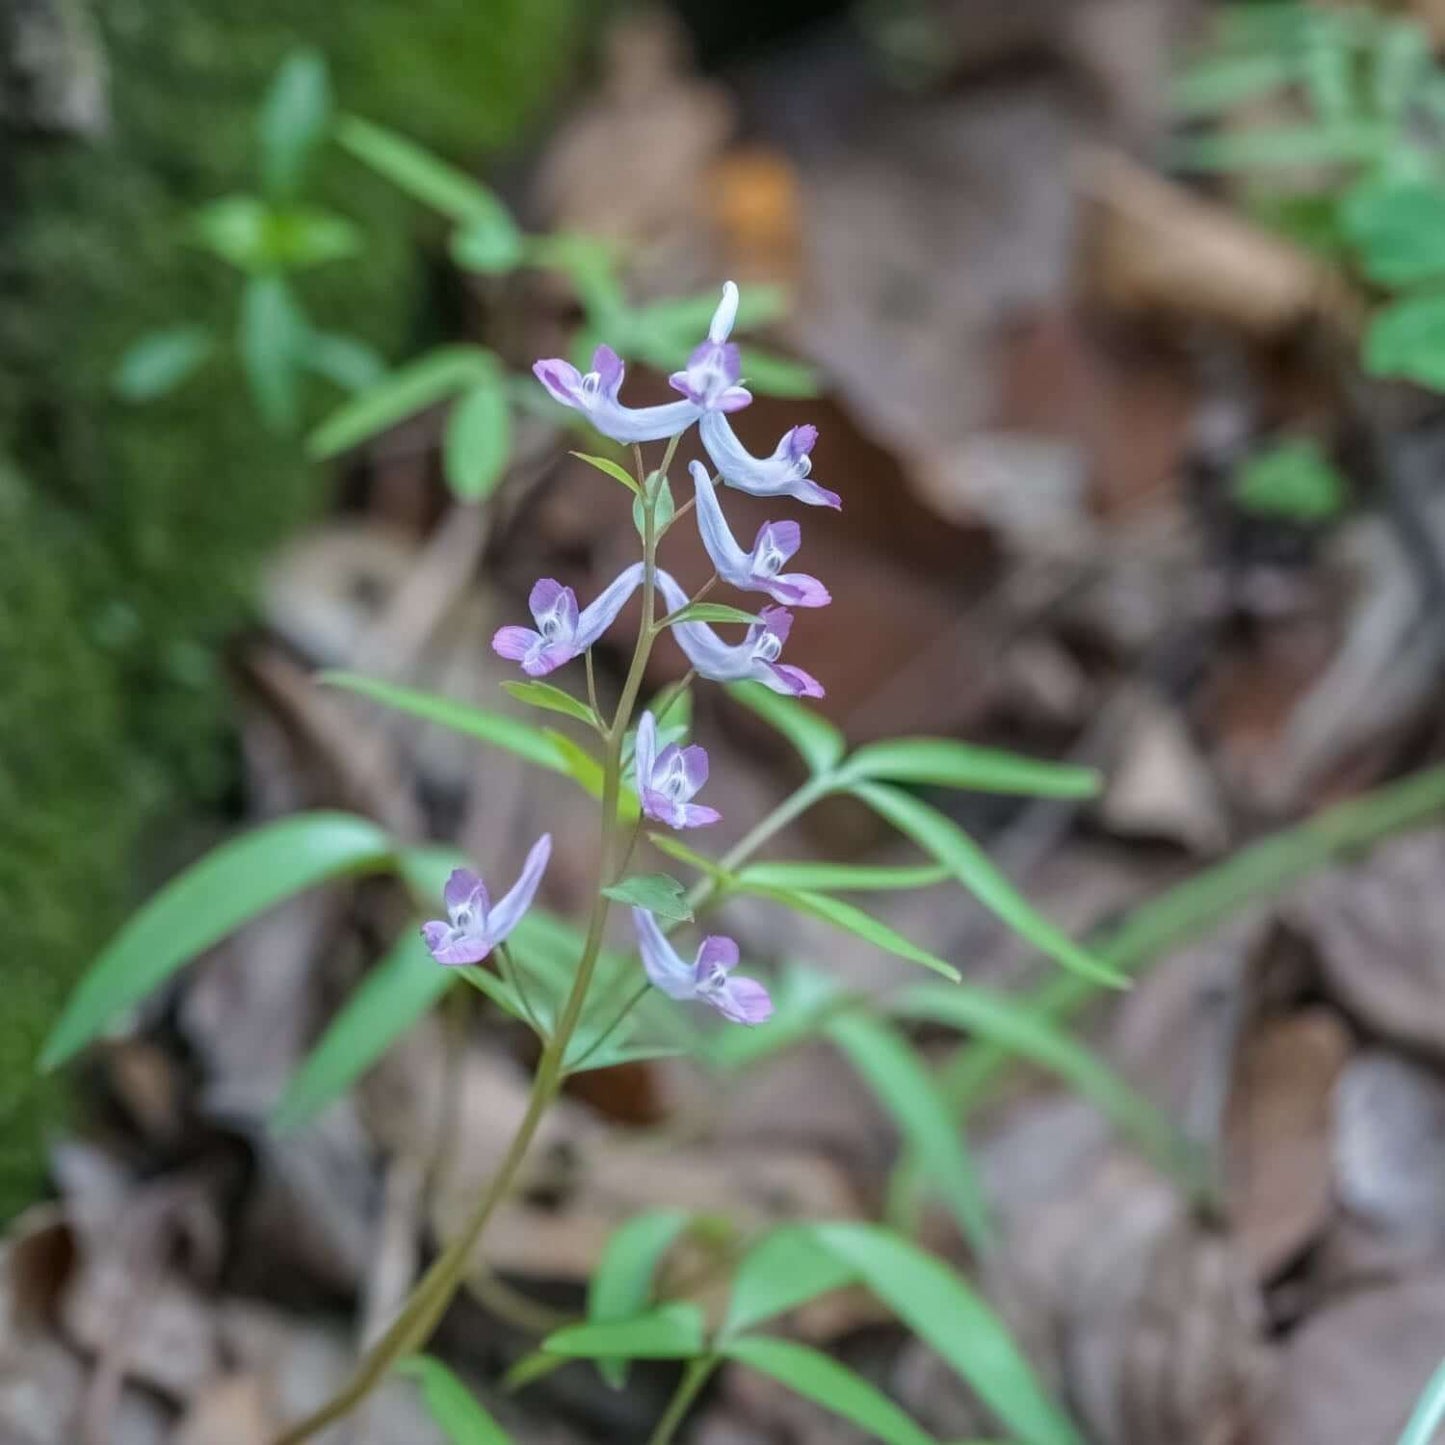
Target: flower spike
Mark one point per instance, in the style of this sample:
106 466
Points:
761 569
595 396
754 659
710 380
709 979
475 925
563 633
784 474
668 781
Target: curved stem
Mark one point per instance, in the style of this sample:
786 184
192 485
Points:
688 1388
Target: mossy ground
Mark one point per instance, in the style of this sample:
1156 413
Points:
130 536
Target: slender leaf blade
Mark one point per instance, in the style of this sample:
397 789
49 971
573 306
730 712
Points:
713 612
195 910
785 1269
293 119
843 877
160 361
621 1285
951 764
670 1332
609 468
451 1404
1429 1412
478 440
551 699
658 893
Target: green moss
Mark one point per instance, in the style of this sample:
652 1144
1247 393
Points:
131 535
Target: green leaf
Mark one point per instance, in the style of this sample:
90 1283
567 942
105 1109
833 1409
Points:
343 360
675 848
842 877
785 1269
1407 339
823 1380
487 247
509 733
237 230
656 892
712 612
907 1091
293 119
814 738
946 1314
272 341
425 178
950 764
478 440
1024 1033
407 390
198 908
1286 147
302 237
622 1282
551 699
664 508
947 842
855 921
161 361
1220 82
670 1332
451 1404
774 375
611 469
1397 227
394 995
1429 1412
1293 480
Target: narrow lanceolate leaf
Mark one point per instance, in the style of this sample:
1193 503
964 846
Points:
195 910
478 440
293 119
820 1378
814 738
452 1405
947 842
905 1088
843 877
161 361
551 699
948 1315
496 728
272 338
1025 1033
713 612
785 1269
674 848
671 1332
397 992
855 921
950 764
622 1282
407 390
656 892
611 469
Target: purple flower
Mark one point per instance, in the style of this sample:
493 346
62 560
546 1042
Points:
784 474
595 396
754 659
711 378
562 633
761 569
709 979
668 781
475 926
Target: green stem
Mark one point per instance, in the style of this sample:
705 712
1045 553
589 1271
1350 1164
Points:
423 1310
693 1379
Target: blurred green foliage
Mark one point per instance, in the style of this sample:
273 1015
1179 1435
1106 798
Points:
130 535
1293 480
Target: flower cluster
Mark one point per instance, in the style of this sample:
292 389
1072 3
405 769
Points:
667 780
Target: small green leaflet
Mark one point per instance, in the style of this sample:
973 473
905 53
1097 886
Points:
451 1404
1396 227
430 379
659 894
951 764
272 338
906 1089
161 361
855 921
785 1269
393 996
670 1332
663 508
820 1378
815 739
666 843
199 907
1293 480
343 360
1407 339
610 469
947 842
948 1315
478 440
552 699
621 1284
712 612
496 728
